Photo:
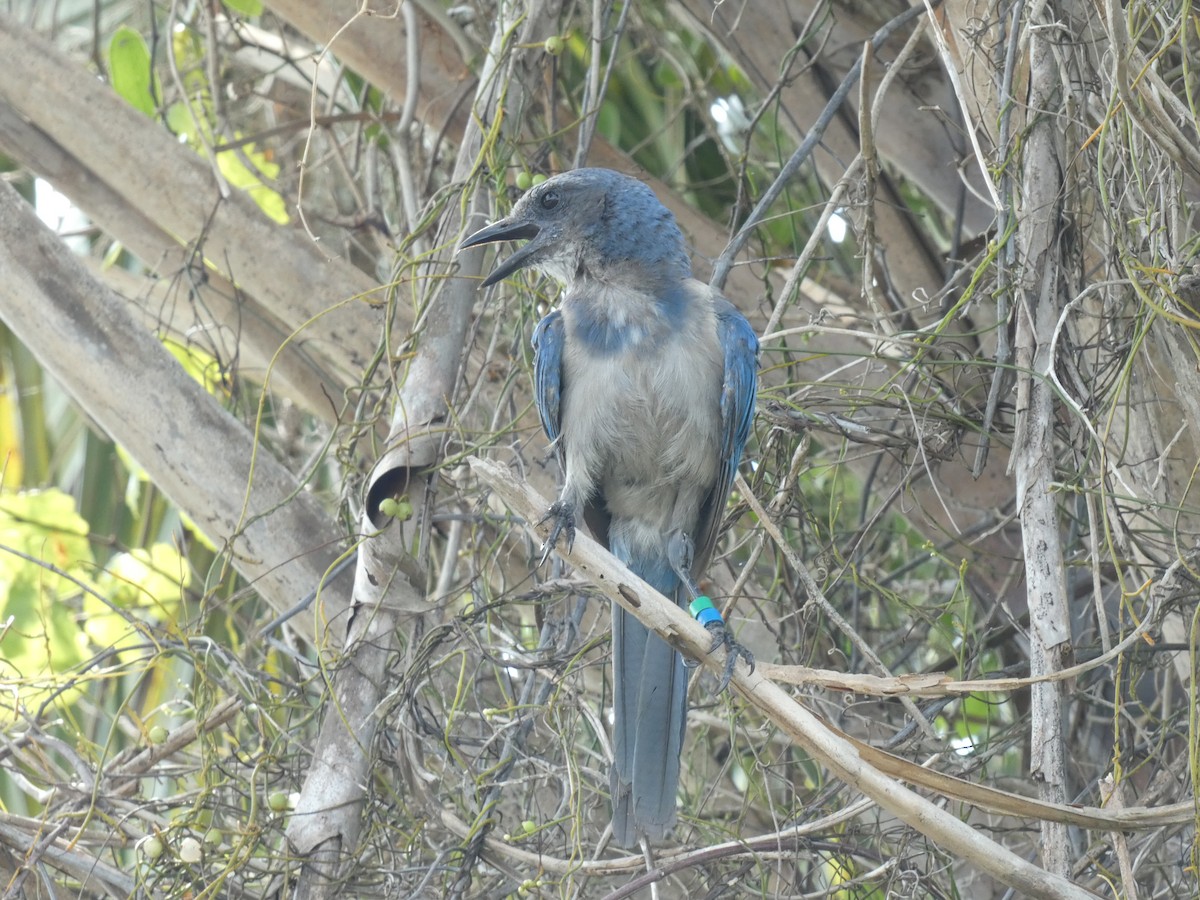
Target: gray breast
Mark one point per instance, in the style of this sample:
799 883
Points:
645 423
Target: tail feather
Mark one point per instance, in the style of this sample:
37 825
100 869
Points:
650 715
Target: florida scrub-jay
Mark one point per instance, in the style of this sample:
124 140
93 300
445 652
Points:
645 381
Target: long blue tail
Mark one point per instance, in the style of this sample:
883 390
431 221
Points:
650 705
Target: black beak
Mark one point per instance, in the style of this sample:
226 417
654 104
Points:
505 230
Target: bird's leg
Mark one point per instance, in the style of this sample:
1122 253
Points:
562 511
679 554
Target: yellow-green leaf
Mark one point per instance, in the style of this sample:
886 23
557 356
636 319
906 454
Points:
39 636
140 586
250 180
180 121
246 7
129 69
202 366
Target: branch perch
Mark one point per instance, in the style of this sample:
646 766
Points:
834 751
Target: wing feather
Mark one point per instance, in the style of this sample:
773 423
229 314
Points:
548 340
739 344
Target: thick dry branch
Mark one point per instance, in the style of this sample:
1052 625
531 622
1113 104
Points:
170 186
64 854
186 298
328 814
370 38
206 461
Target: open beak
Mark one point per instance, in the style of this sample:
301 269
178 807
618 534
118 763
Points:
505 230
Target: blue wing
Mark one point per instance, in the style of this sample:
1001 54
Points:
548 339
738 391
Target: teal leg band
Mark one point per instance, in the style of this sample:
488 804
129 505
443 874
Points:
704 612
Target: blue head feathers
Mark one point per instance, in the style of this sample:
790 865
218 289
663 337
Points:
590 223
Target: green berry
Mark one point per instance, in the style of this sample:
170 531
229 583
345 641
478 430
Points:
151 847
524 181
538 179
389 506
277 801
555 45
158 735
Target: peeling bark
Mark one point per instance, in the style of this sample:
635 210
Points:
389 590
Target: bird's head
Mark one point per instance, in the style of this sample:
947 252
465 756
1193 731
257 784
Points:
593 223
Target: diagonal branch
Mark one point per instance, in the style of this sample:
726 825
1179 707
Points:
809 732
170 186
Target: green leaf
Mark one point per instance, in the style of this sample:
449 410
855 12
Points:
246 7
202 366
180 121
141 586
129 69
39 636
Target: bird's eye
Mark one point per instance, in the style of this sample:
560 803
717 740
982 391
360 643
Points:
549 199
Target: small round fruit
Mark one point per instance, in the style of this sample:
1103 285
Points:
151 846
554 45
277 801
190 850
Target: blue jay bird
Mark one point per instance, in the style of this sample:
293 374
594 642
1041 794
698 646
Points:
645 382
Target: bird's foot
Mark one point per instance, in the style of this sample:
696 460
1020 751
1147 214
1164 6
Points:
563 515
723 637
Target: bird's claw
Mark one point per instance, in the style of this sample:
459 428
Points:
564 524
723 637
